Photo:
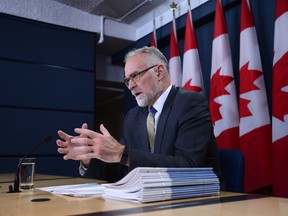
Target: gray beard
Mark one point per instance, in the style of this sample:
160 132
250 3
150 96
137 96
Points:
146 100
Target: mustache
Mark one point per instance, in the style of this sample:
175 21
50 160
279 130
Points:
135 93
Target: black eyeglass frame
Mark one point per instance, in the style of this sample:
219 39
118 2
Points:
135 77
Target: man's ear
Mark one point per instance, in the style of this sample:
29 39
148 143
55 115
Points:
161 72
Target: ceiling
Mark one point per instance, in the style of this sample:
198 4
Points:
118 22
134 13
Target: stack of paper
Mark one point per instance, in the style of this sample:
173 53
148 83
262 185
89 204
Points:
76 190
148 184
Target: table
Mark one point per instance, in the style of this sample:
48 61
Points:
227 203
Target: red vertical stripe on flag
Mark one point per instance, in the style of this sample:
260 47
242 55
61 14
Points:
220 23
174 60
153 40
154 36
280 101
281 8
192 74
190 40
223 98
245 12
174 50
255 126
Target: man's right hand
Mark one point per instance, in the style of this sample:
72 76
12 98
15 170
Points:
67 148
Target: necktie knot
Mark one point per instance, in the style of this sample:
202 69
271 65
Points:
152 110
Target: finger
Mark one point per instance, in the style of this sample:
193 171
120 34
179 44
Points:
83 141
66 157
60 143
84 126
83 150
104 131
86 132
62 151
63 135
86 156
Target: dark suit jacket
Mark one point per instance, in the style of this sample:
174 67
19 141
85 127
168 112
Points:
184 138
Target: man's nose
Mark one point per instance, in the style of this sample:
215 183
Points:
131 84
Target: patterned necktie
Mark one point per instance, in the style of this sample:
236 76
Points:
151 127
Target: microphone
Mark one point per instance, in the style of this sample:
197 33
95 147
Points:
46 139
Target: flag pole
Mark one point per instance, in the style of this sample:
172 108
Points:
153 34
173 7
174 60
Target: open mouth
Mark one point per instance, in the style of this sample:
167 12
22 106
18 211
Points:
136 94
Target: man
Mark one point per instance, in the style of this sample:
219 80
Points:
183 129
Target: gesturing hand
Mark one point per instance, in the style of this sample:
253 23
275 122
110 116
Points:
66 147
90 144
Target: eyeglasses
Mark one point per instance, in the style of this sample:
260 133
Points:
135 77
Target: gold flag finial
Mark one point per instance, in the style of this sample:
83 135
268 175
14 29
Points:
173 6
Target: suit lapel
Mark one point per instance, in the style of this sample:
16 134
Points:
163 119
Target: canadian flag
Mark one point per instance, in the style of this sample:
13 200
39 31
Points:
280 101
154 37
192 74
255 126
223 98
174 59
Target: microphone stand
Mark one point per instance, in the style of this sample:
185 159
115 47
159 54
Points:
17 177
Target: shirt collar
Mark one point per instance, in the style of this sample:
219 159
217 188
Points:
158 105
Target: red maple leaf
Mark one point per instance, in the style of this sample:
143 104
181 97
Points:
190 87
247 79
244 111
218 84
280 80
